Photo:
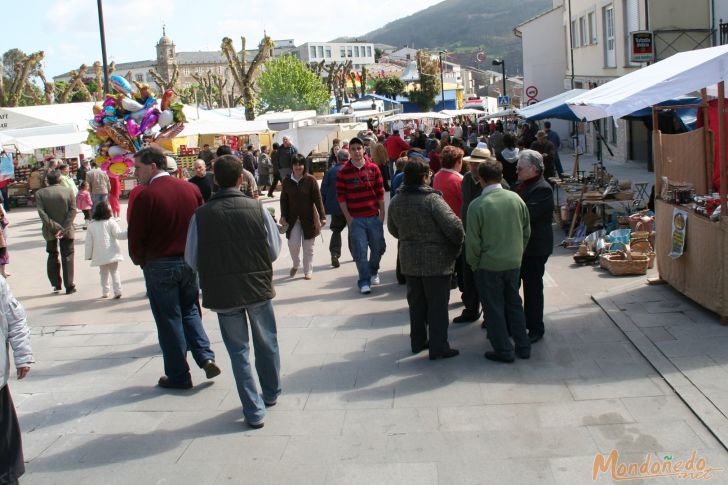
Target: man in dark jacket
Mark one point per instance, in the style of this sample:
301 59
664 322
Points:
331 204
539 198
237 282
286 152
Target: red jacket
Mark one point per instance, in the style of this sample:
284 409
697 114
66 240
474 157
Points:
395 145
160 218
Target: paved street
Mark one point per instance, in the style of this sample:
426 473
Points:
357 406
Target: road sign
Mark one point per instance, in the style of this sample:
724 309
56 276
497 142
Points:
531 101
504 100
532 91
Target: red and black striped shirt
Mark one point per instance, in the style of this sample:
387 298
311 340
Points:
361 189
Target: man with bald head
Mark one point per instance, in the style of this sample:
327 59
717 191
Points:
286 152
203 179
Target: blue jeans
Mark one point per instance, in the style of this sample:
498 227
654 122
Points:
367 233
95 199
234 328
173 293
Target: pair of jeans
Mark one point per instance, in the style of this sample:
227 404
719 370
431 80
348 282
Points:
54 266
173 292
427 298
532 271
234 328
96 198
338 224
503 311
366 236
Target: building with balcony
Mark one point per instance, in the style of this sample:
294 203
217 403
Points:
359 53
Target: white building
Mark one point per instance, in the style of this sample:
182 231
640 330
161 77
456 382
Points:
359 53
544 62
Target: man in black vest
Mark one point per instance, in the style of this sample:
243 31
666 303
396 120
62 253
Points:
236 282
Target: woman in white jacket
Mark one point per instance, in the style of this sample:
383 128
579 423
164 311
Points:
102 248
14 331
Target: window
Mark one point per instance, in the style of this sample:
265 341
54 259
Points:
610 53
328 52
583 34
312 51
140 78
369 51
186 71
349 52
592 27
356 51
321 51
574 35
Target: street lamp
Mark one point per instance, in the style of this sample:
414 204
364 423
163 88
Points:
103 45
502 63
442 79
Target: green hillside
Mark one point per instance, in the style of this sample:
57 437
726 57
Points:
465 26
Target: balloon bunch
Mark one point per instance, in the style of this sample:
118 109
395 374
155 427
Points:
129 119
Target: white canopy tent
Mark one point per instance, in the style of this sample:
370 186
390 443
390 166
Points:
224 126
415 116
500 114
461 112
675 76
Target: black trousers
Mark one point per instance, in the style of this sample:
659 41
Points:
66 262
471 299
428 297
338 224
532 271
11 446
276 179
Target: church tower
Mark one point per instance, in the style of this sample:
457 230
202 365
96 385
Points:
166 55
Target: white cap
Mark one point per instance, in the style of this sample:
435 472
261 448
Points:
171 164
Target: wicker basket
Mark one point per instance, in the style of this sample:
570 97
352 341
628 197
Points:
638 234
624 263
604 261
625 195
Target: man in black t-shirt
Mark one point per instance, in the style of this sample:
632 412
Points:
203 179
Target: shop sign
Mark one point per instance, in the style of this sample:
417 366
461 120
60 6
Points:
641 46
679 231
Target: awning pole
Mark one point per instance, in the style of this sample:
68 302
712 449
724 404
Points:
721 147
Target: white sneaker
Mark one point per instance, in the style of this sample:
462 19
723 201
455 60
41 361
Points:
365 290
375 279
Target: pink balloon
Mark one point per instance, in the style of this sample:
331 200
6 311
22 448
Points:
150 119
132 128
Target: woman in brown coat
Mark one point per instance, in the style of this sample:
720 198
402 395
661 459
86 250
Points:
303 211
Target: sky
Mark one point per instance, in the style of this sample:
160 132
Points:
68 30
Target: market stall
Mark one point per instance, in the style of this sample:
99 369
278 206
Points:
691 241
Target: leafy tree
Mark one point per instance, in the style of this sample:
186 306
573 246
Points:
390 86
378 53
16 69
423 95
287 83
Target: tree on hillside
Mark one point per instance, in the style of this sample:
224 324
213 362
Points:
423 95
245 75
390 86
287 83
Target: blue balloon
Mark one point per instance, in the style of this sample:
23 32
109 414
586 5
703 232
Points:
120 84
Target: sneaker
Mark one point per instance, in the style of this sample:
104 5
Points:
365 290
307 276
255 425
117 297
375 279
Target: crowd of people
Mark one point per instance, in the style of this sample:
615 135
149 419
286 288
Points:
472 213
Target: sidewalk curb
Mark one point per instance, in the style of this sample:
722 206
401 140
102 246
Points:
703 408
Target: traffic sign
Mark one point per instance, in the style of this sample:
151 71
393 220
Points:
531 91
531 101
504 100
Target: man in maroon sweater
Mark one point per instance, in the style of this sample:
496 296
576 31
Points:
157 236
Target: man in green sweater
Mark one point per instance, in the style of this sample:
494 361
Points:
498 231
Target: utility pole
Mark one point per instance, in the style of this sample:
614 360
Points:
442 79
502 64
103 46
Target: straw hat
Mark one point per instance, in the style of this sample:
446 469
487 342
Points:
479 155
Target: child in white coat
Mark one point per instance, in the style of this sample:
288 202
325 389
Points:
102 248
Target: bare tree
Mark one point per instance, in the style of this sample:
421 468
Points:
75 82
245 75
164 83
48 87
207 86
10 96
